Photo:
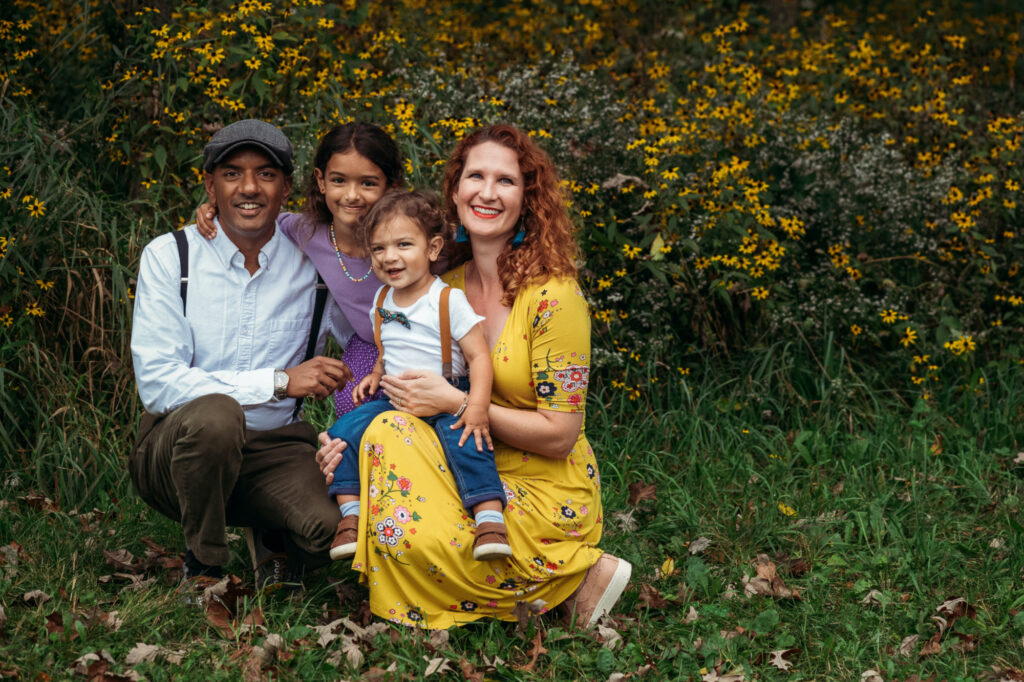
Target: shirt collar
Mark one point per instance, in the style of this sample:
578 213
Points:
228 252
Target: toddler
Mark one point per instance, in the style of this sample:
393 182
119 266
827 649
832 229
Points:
415 318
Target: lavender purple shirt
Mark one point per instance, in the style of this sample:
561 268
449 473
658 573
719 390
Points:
354 298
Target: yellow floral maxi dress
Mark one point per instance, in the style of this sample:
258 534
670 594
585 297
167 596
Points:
415 548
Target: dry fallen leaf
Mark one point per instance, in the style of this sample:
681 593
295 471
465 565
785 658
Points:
699 545
526 612
931 647
439 638
638 492
353 652
691 615
778 658
436 665
470 673
872 598
36 597
37 501
82 663
55 624
965 643
536 649
142 653
122 560
625 520
9 560
609 637
908 644
871 676
650 596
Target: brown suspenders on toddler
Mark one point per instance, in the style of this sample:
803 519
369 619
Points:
446 329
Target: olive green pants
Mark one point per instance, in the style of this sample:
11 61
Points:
200 466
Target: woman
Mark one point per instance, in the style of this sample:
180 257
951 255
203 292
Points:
415 547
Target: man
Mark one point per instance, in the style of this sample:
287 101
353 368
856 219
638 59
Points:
219 366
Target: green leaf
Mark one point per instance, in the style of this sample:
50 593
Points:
656 271
656 246
765 622
260 86
696 572
160 156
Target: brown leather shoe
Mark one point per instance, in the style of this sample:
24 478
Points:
346 538
600 589
491 541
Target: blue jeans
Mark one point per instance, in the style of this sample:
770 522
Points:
475 474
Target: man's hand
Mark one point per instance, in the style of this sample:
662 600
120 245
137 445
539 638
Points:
329 455
317 378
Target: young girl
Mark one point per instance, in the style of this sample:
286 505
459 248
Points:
405 233
354 165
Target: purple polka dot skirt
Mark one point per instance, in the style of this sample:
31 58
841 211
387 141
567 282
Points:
360 356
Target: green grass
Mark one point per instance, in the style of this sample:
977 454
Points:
847 491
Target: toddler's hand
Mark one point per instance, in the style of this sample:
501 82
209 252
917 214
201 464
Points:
474 419
366 388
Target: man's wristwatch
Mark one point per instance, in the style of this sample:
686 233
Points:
280 384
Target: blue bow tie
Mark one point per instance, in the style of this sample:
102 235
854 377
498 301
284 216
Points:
388 316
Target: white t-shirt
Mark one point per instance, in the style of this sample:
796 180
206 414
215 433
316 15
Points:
419 346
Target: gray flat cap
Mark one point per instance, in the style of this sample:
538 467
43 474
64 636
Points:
249 132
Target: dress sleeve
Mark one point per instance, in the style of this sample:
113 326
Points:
559 326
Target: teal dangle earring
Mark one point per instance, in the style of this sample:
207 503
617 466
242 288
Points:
521 234
460 234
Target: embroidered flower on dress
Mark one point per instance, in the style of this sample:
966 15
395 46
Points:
546 389
402 514
568 513
591 471
414 614
573 378
400 420
404 483
468 605
373 491
388 533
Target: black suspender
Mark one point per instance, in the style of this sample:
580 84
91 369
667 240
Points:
179 236
314 332
318 305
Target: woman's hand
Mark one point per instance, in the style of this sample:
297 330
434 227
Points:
328 457
422 393
204 219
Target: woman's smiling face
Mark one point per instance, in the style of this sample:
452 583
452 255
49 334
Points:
489 196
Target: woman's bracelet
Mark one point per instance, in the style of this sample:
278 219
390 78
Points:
465 402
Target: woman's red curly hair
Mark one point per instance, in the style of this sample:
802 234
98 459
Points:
548 249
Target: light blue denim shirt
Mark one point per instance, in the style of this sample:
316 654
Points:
236 331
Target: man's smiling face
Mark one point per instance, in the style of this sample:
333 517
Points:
248 189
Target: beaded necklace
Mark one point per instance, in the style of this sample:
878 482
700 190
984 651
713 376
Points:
343 268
